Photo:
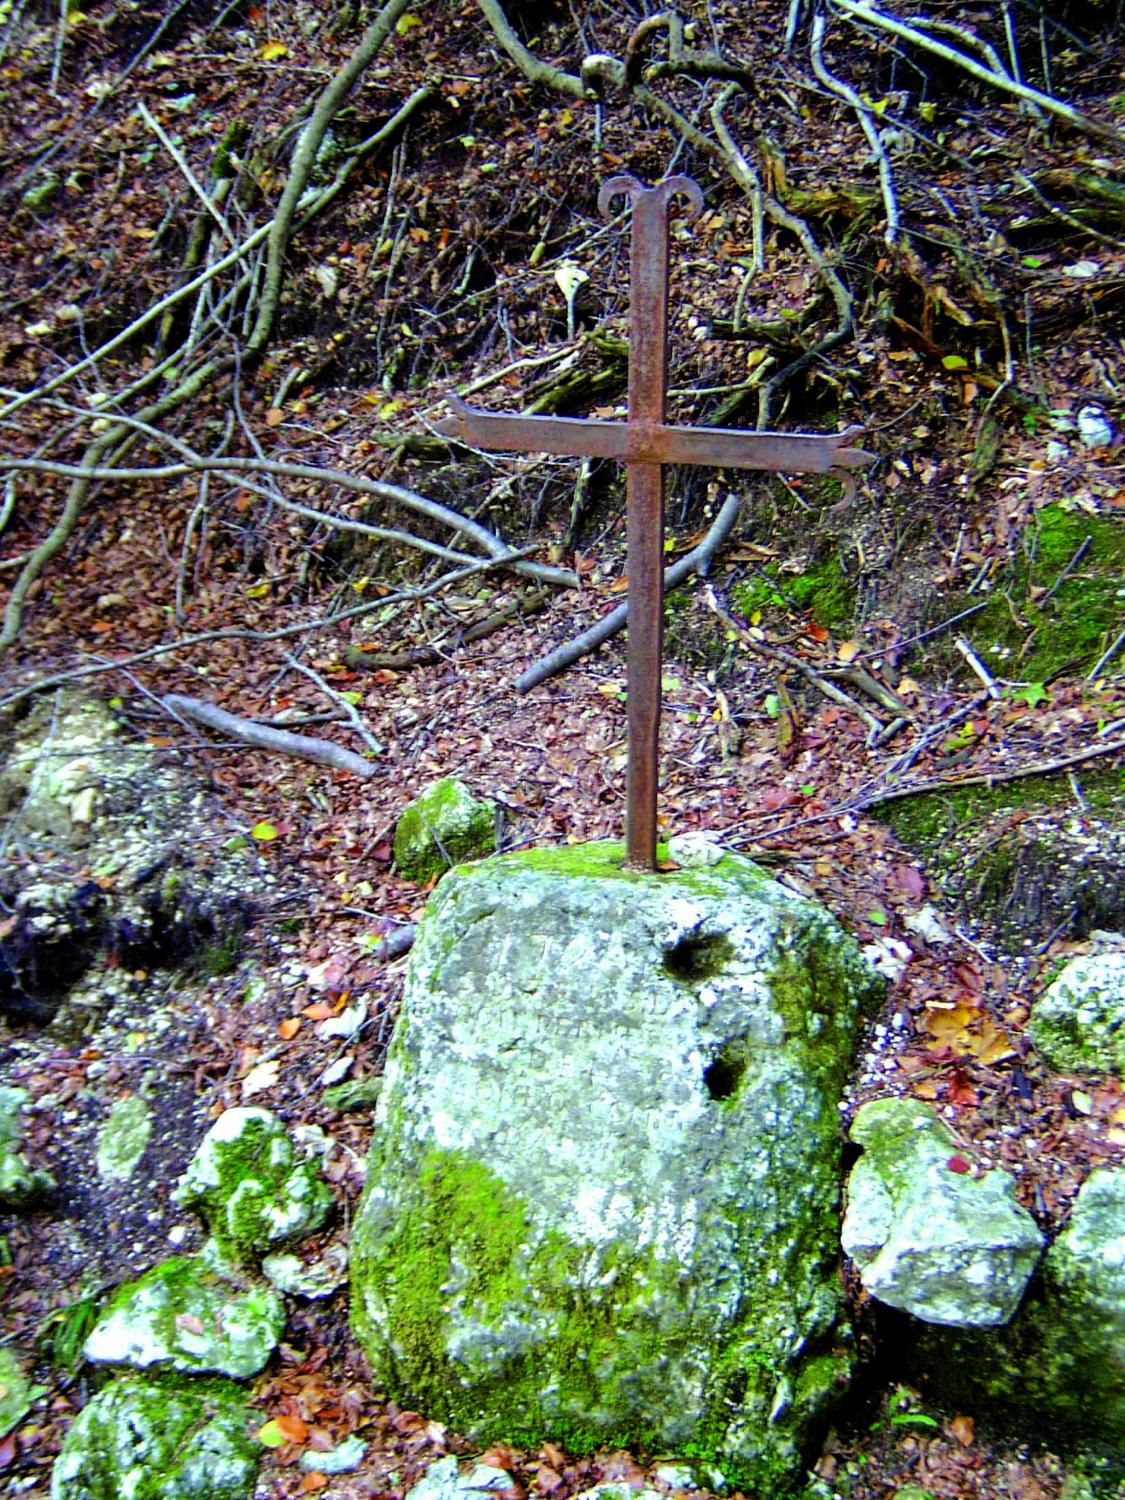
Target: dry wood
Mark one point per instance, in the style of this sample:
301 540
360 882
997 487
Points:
278 741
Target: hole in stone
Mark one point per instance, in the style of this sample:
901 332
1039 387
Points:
723 1074
695 958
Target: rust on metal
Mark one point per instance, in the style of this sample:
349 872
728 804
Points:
645 443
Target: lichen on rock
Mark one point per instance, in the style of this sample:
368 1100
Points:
602 1199
1061 1362
1079 1024
20 1183
140 1439
441 828
123 1138
189 1313
927 1234
250 1184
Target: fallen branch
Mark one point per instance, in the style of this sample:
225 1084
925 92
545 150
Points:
795 664
429 656
535 70
861 11
866 118
984 778
486 540
351 713
699 561
278 741
239 633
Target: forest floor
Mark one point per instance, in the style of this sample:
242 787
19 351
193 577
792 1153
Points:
751 750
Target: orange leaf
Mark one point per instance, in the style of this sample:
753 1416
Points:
962 1429
275 416
292 1428
817 632
99 627
289 1028
319 1010
314 1480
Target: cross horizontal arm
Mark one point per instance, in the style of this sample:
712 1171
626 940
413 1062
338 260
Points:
724 447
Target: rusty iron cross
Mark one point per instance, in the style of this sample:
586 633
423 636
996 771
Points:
645 443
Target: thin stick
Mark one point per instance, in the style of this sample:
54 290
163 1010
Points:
189 176
795 664
1106 657
338 698
279 741
977 666
867 123
487 540
861 11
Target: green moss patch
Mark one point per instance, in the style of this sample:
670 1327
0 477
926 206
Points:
1036 626
148 1441
821 589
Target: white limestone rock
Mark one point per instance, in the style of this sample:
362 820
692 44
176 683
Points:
928 1236
603 1191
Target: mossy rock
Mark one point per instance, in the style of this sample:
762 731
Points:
146 1440
443 827
252 1187
632 1238
1060 1364
189 1313
1079 1024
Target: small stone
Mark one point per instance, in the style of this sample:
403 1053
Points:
695 851
446 1480
123 1138
189 1314
928 1236
445 826
1079 1024
147 1441
290 1274
250 1185
342 1459
20 1184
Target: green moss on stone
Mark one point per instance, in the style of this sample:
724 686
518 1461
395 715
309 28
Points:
462 1251
251 1186
443 827
189 1313
145 1440
123 1138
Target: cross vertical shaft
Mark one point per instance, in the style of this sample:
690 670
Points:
648 381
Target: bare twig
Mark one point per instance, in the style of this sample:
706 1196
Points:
793 663
1106 657
978 667
860 10
866 119
486 540
350 711
189 176
279 741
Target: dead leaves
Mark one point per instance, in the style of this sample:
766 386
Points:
965 1029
